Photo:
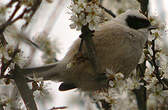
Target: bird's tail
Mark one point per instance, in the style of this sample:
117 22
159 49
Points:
42 71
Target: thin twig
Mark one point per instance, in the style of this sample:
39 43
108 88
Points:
19 17
108 11
33 10
35 6
10 21
11 3
58 108
156 70
17 7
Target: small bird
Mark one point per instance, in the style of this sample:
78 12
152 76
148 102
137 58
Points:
119 44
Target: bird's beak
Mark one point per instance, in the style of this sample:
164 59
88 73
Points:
152 27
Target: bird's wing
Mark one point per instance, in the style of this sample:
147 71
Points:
116 45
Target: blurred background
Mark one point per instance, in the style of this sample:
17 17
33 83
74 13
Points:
52 21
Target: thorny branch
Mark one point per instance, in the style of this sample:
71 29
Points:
156 67
1 107
141 67
141 98
10 21
20 80
156 70
141 92
26 93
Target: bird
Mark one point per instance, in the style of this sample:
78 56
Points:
119 45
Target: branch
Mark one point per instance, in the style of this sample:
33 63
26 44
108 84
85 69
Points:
141 92
108 11
2 39
35 6
17 7
19 17
11 2
6 76
33 9
59 108
141 97
105 105
144 6
26 93
1 107
156 70
9 21
87 38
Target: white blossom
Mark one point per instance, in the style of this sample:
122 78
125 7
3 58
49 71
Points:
84 13
6 53
36 78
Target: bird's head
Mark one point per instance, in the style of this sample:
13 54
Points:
134 20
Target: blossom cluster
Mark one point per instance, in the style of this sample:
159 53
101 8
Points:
49 48
119 6
120 93
86 13
6 55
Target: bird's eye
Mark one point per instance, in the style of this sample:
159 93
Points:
137 22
